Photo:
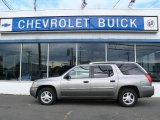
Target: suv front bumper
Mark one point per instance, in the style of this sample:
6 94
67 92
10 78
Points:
33 91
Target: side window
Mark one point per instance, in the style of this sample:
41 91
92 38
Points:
101 71
130 69
79 72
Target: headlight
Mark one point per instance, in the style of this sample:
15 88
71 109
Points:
34 84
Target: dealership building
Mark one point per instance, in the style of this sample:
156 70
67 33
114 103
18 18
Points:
41 44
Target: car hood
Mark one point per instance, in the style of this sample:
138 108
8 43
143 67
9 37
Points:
49 79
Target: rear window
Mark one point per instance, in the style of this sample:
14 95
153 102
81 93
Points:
130 69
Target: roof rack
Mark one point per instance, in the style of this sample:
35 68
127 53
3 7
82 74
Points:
109 62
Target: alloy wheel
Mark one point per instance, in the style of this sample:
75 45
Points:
128 98
46 97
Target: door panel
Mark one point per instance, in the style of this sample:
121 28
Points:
77 83
104 81
75 87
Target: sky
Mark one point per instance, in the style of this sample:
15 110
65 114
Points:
76 4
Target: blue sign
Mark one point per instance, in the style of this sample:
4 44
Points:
83 23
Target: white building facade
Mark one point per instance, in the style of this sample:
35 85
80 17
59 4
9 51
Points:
44 44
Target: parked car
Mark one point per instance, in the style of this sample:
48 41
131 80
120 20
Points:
124 82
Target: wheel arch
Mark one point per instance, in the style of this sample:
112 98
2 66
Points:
130 87
46 86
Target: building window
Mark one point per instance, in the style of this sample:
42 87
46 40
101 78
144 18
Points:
9 61
91 52
148 56
34 61
120 52
61 58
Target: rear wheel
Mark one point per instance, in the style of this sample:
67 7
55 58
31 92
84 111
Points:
128 97
47 96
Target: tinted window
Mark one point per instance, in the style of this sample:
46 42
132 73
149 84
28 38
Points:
9 61
120 52
148 56
34 61
130 69
90 52
62 57
103 71
79 72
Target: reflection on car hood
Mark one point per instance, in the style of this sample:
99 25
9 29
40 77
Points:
48 79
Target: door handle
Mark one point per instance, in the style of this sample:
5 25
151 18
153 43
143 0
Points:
112 81
85 81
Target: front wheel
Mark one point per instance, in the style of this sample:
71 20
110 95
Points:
128 98
47 96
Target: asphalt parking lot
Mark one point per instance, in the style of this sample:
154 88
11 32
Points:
13 107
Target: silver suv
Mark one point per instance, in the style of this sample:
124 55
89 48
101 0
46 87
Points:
124 82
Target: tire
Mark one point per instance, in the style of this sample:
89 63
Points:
47 96
127 97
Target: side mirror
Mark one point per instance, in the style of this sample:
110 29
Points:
67 77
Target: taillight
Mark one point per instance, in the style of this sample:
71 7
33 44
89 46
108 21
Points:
149 78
